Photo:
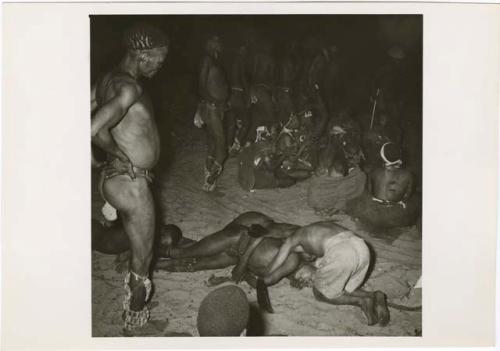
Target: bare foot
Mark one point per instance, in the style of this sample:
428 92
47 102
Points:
381 308
367 305
151 328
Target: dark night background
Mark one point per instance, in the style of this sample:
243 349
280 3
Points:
363 41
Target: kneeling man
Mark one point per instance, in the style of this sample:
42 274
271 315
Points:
342 265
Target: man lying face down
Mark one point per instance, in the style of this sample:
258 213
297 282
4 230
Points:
250 242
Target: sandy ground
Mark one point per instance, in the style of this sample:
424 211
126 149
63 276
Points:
177 295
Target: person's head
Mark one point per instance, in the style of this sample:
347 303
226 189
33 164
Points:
147 46
330 51
383 119
223 312
213 47
391 155
169 236
242 50
396 54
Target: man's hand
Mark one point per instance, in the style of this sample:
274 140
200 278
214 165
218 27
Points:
114 168
198 122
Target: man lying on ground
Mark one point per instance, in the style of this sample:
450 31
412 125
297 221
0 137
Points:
250 242
240 243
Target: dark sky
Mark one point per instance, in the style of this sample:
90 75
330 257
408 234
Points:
356 35
362 40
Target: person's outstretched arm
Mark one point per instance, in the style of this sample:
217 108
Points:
288 246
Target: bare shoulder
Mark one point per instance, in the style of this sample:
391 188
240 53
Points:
325 228
206 61
127 85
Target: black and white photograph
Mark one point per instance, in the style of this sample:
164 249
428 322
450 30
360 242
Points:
256 175
249 175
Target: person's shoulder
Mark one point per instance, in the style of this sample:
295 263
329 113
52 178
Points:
128 86
406 172
206 60
376 172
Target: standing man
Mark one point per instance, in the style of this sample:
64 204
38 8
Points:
262 106
213 89
124 126
287 71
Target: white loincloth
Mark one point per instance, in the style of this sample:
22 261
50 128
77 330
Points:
344 265
109 212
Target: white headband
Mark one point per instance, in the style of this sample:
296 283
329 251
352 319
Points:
388 163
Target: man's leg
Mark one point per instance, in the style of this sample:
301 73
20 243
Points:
230 125
244 117
221 260
210 245
366 303
135 205
215 129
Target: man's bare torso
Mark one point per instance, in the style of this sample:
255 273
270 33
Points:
237 77
286 73
216 84
264 69
315 236
136 134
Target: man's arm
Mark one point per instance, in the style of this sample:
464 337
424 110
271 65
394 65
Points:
93 99
111 114
243 76
409 187
205 69
322 117
288 245
290 264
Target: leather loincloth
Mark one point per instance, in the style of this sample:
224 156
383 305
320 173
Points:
117 167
